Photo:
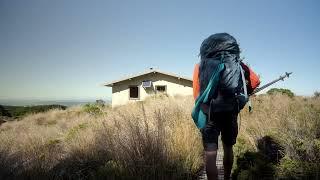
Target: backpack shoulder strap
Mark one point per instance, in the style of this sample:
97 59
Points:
245 87
243 81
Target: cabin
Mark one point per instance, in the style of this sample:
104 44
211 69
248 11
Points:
151 82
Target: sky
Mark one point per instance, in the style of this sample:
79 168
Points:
67 49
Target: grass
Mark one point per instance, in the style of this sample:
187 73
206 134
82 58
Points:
154 139
157 139
292 126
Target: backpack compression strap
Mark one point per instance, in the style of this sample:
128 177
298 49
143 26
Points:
243 81
245 87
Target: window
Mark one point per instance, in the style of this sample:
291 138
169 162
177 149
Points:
134 92
161 89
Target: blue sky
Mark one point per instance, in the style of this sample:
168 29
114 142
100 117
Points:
67 49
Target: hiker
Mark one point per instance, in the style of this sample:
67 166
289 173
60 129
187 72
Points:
221 87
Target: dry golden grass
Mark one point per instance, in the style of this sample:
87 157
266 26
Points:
155 139
294 124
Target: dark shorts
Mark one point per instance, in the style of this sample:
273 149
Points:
220 122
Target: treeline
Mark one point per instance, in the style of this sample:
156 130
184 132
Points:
19 111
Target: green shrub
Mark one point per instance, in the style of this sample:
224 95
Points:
282 91
4 112
291 168
75 130
257 165
253 165
93 109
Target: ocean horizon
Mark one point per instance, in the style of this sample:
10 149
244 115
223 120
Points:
35 102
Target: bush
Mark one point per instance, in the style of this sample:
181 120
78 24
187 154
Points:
100 102
254 165
293 124
4 112
93 109
290 168
281 91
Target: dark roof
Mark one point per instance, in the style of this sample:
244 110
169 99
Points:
110 84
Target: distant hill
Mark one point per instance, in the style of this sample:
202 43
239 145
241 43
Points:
4 112
10 102
19 111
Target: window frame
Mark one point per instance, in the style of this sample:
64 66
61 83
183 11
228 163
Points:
131 98
165 89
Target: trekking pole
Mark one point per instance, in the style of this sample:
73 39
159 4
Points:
267 85
270 83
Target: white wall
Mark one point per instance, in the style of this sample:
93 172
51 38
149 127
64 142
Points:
175 86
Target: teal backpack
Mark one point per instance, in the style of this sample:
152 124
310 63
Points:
222 81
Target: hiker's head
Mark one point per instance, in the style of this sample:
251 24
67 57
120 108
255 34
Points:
217 43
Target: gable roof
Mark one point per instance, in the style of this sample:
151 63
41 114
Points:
110 84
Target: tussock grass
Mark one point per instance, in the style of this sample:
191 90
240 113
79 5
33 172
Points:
293 124
156 139
151 139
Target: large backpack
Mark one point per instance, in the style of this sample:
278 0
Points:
252 80
221 78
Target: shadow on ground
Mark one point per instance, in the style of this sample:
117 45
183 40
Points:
260 164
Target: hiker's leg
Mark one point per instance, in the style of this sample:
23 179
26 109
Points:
227 160
229 134
210 134
210 156
210 161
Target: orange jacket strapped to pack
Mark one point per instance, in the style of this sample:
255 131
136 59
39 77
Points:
252 78
195 82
